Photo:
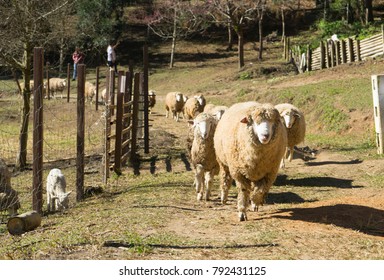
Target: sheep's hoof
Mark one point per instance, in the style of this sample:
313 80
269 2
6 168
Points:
242 216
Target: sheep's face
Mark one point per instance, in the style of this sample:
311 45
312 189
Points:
200 99
262 122
202 127
64 83
289 118
179 97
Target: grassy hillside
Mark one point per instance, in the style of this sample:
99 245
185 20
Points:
337 102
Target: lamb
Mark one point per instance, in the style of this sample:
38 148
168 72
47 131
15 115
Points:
89 91
57 85
214 110
294 121
151 100
9 199
57 198
249 142
203 155
174 102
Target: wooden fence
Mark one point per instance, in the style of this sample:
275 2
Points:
333 53
122 123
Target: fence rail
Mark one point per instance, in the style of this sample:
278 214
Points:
333 53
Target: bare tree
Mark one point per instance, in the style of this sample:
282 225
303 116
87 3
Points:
238 14
175 19
24 25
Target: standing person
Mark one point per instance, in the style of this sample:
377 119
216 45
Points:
77 58
111 56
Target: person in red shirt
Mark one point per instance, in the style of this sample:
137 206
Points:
77 58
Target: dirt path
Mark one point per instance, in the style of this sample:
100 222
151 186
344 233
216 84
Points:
318 208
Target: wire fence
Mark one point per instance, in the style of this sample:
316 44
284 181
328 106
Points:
59 140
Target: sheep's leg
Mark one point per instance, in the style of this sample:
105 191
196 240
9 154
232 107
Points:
290 154
49 201
243 189
208 185
177 116
199 181
260 190
225 183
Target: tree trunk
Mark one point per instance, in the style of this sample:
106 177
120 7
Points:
368 11
61 58
174 35
261 36
230 36
282 24
241 47
21 160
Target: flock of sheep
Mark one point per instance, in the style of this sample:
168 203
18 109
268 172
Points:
247 142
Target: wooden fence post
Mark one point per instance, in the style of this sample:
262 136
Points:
343 52
119 124
333 63
47 78
309 59
97 88
378 108
350 50
69 81
80 132
322 55
37 193
111 85
326 56
358 56
127 111
107 143
135 113
146 102
337 52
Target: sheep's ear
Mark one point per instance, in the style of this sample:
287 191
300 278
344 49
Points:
244 120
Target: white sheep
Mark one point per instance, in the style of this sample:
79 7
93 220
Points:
191 108
215 110
57 197
294 121
174 102
57 85
203 155
9 199
89 91
249 142
151 100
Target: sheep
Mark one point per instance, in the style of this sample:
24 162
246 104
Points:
294 121
191 108
57 198
249 142
9 199
57 85
89 91
174 102
151 100
103 95
202 153
214 110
